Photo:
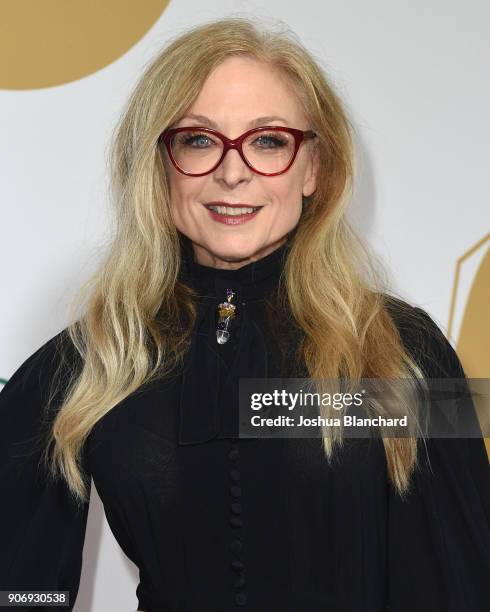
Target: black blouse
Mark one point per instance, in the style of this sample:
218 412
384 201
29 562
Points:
219 523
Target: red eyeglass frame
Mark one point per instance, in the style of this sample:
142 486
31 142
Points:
299 137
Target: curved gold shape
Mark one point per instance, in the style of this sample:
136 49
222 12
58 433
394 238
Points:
474 333
49 43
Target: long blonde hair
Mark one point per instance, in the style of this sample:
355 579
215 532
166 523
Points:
136 317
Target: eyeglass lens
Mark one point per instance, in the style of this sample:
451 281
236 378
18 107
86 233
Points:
196 151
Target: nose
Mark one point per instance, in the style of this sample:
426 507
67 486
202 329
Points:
232 169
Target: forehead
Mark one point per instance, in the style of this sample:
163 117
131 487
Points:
240 89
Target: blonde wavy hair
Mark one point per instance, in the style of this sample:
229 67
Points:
137 317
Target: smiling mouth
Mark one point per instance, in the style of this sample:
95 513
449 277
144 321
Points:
233 211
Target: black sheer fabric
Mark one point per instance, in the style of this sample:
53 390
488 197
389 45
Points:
216 523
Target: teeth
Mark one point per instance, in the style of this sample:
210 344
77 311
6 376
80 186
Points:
233 212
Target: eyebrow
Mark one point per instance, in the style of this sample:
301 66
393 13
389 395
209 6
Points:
253 123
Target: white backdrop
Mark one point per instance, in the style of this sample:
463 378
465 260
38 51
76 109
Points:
414 78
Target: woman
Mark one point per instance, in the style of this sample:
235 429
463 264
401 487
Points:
199 290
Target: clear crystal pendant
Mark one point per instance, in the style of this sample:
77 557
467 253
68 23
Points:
226 312
222 336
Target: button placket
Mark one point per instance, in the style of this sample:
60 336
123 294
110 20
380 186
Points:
236 545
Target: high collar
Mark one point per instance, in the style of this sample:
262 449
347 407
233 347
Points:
251 281
209 396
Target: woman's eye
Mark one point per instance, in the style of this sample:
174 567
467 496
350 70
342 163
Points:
269 141
197 140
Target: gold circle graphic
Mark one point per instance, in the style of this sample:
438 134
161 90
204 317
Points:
474 333
52 42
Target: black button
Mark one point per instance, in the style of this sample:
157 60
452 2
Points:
236 522
240 599
234 475
236 546
239 582
235 490
236 508
237 565
234 454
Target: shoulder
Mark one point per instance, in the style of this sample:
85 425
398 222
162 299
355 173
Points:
32 396
424 339
52 360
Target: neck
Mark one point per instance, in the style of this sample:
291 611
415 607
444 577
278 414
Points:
207 258
252 280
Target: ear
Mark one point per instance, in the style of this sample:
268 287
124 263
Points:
311 172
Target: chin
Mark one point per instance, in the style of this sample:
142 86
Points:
232 253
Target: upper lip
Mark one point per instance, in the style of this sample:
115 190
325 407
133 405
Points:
241 205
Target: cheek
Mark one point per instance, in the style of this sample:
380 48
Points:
184 194
177 184
287 193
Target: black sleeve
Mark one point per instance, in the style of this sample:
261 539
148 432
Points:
42 529
439 537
